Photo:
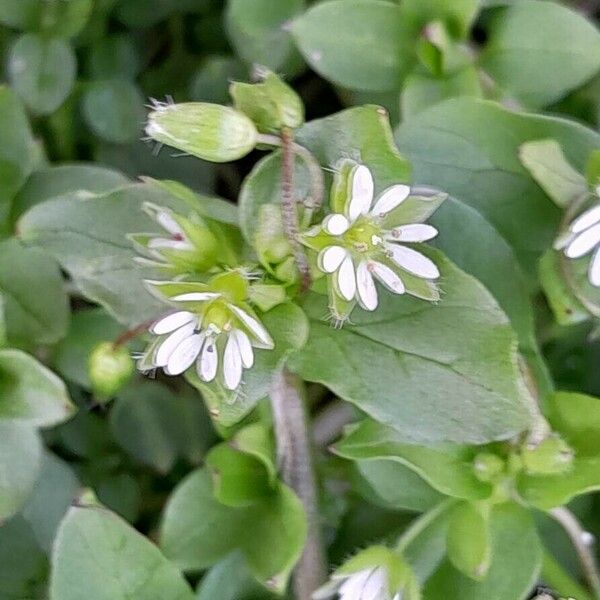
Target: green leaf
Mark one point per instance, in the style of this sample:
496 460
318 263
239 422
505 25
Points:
17 153
539 51
270 534
545 160
114 57
114 110
458 15
366 131
288 327
413 348
391 484
516 552
421 90
448 469
157 426
469 148
123 563
210 83
259 32
20 457
42 71
36 304
372 49
54 490
468 540
30 394
50 182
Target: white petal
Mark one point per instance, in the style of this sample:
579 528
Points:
391 198
353 586
414 262
168 346
185 354
587 219
361 194
327 591
196 297
245 347
209 360
415 232
346 279
584 242
367 293
375 585
172 322
166 221
335 224
388 277
160 243
594 269
255 326
232 364
331 258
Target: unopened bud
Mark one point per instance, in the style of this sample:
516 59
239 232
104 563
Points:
110 367
549 457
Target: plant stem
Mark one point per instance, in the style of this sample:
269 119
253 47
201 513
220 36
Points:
580 539
296 466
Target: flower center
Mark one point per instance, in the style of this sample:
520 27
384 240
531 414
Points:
364 235
218 315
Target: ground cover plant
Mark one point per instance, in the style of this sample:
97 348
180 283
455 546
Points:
299 299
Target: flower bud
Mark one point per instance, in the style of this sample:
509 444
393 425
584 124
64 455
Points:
551 456
488 467
109 368
271 104
209 131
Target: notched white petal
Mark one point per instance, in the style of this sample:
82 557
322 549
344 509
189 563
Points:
414 232
390 199
165 350
387 277
584 242
165 244
245 347
331 258
594 269
209 361
367 292
587 219
172 322
232 364
184 355
414 262
196 297
335 224
346 279
361 194
166 221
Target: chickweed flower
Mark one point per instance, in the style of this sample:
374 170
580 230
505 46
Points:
364 240
583 238
376 573
212 327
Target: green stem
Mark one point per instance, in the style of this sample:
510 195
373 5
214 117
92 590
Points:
555 577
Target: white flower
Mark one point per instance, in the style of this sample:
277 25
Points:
219 339
361 244
582 238
367 584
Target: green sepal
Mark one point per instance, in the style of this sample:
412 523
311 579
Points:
341 188
418 207
551 456
266 295
592 169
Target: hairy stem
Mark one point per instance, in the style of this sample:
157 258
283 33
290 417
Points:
583 543
296 467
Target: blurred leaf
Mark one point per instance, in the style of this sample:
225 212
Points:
50 182
372 49
20 458
469 148
139 13
114 110
36 304
288 326
448 469
259 32
42 71
120 493
410 368
114 57
516 562
123 563
31 394
547 164
539 51
211 80
54 490
270 533
458 15
157 426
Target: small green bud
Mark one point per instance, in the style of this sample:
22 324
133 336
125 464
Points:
271 104
550 457
488 467
209 131
109 368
